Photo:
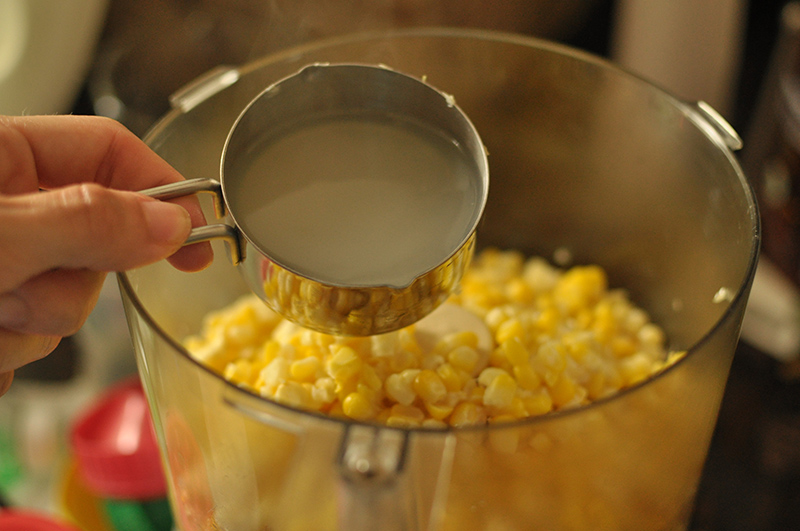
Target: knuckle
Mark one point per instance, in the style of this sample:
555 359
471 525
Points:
92 208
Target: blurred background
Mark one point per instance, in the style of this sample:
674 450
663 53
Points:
124 58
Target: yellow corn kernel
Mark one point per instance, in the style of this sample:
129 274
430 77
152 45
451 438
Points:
596 386
553 328
635 369
452 341
548 320
539 274
519 291
370 378
538 403
464 357
358 406
273 375
510 328
497 316
324 390
516 409
515 352
407 411
344 365
467 414
400 416
438 411
564 392
305 369
580 286
269 351
500 393
622 346
475 395
550 361
429 386
651 335
527 378
240 372
452 379
497 359
604 325
576 345
294 394
399 389
488 375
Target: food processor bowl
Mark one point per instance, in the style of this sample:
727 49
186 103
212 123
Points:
589 165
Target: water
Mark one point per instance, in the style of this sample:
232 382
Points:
358 200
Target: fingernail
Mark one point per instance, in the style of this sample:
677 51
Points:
167 222
13 311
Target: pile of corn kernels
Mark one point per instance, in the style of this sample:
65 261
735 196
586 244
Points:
521 338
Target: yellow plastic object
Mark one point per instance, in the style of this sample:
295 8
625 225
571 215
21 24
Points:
78 504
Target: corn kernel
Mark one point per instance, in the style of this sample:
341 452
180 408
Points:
562 339
452 341
467 414
518 291
488 375
500 392
344 364
635 368
399 389
274 374
538 403
527 378
306 369
429 386
294 394
464 357
240 371
548 320
507 330
438 411
622 346
515 352
564 392
452 379
357 406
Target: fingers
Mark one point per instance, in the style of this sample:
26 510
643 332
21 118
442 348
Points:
54 303
85 227
64 150
55 151
20 349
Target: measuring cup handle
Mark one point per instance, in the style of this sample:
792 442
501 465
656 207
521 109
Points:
207 232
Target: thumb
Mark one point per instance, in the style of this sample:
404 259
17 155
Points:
85 226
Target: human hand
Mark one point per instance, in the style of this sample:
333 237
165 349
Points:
57 246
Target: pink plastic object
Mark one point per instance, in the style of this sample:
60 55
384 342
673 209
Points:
115 447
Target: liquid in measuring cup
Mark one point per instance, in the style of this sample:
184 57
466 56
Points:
364 200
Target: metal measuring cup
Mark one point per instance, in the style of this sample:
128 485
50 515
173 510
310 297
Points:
322 304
